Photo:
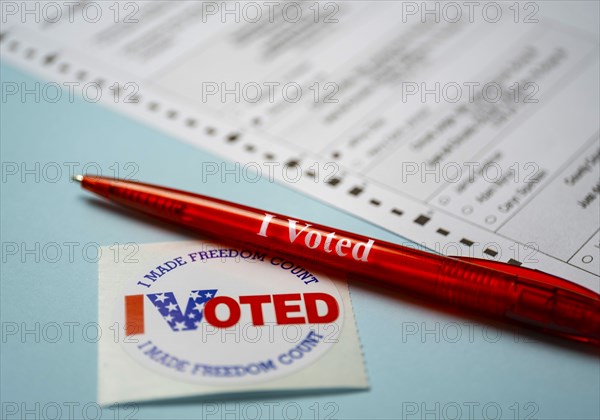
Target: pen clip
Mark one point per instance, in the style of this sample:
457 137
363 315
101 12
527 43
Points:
532 276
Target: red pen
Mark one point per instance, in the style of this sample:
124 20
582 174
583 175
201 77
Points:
524 296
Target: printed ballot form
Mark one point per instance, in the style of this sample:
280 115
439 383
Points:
470 128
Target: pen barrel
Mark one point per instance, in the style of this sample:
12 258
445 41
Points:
455 281
515 298
470 286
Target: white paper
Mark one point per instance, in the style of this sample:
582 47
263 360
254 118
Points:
513 179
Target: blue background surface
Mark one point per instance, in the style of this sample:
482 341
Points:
458 368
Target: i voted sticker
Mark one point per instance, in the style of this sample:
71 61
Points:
228 316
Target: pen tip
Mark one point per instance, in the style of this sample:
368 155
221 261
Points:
78 178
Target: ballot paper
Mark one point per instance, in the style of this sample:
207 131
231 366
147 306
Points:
470 128
199 319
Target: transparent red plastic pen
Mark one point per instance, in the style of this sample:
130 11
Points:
520 295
